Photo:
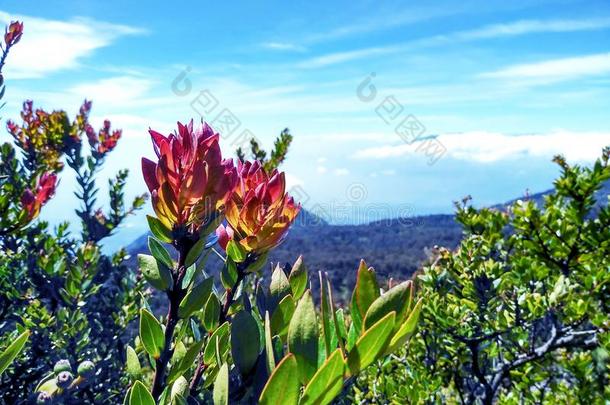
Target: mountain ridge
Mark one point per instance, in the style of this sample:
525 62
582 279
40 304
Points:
395 247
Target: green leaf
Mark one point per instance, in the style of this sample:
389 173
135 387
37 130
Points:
156 273
140 395
258 264
10 353
211 313
371 344
195 252
186 362
270 359
151 334
303 337
236 251
228 274
282 316
396 299
159 252
327 383
340 324
133 363
180 389
278 288
222 335
406 329
283 385
196 298
298 278
159 230
366 290
245 341
221 386
327 324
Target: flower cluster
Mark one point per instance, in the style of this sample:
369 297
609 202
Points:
260 211
191 182
41 135
13 33
32 201
104 141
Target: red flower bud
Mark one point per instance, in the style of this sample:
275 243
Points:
13 33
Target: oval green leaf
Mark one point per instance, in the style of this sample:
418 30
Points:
282 316
195 252
156 273
406 329
245 341
221 386
196 298
283 385
366 290
133 363
327 382
159 230
151 334
303 337
371 344
159 252
396 299
140 395
298 278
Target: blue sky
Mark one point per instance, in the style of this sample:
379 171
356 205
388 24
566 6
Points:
502 87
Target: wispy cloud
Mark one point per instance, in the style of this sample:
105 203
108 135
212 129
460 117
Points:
491 31
489 147
283 46
554 70
51 45
340 57
525 27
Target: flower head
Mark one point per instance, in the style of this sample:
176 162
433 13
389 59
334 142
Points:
13 33
191 182
260 211
32 201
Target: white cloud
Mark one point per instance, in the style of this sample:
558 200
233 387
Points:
390 172
52 45
341 172
283 46
554 70
321 169
524 27
487 147
114 91
340 57
514 28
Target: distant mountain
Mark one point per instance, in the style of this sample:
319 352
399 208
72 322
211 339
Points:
394 247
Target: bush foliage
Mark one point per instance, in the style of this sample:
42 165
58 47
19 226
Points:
519 311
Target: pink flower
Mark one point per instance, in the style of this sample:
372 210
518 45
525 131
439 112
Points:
260 211
190 183
32 202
